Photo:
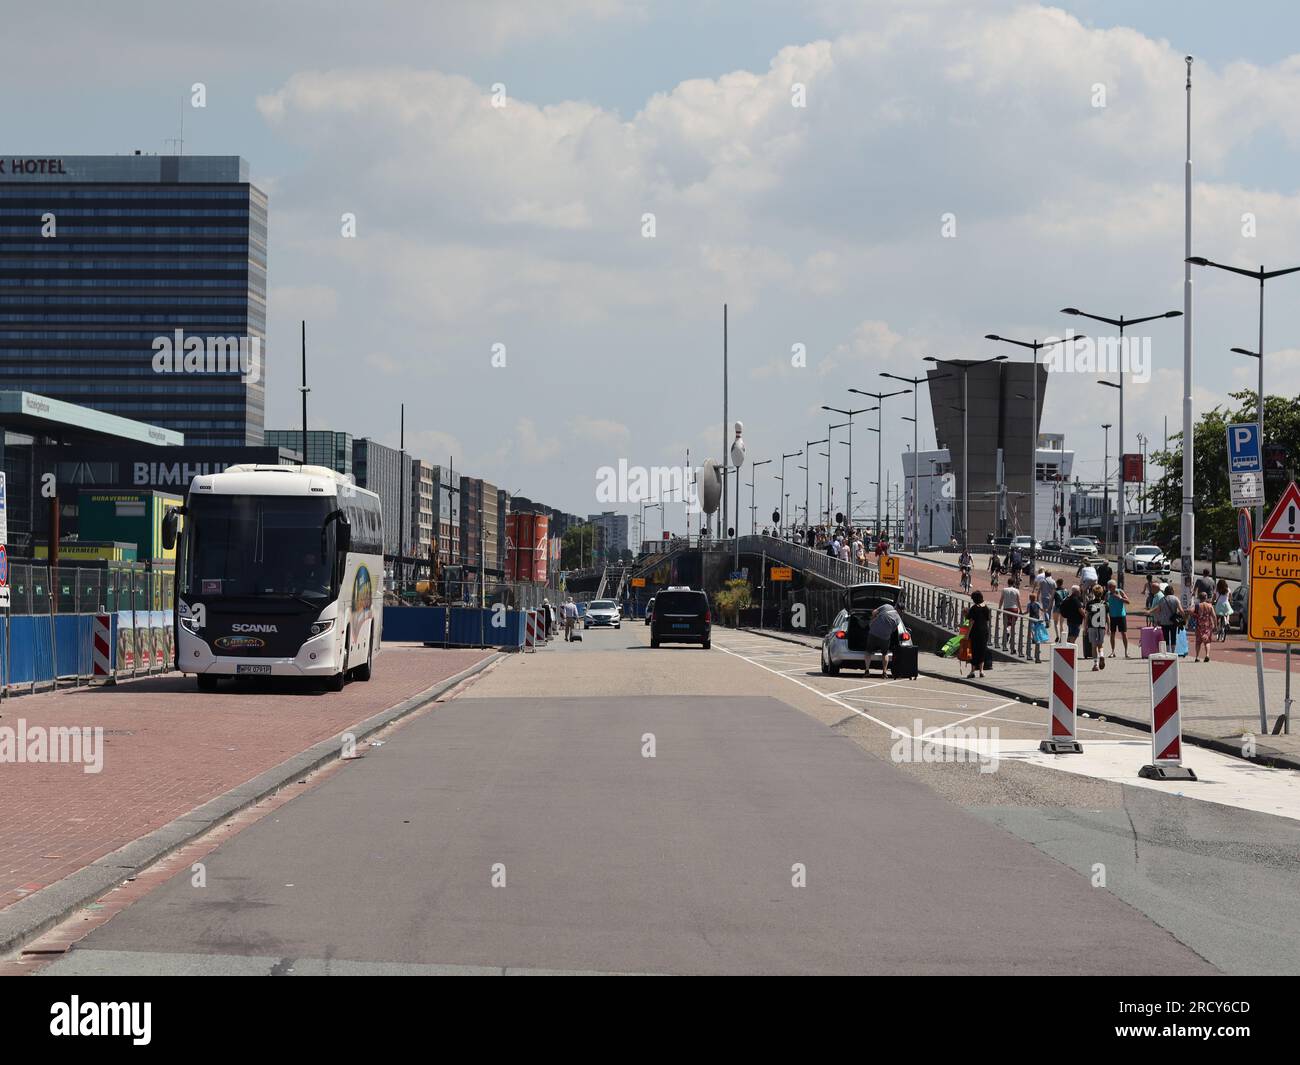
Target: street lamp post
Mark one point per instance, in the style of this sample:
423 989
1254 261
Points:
880 398
964 366
848 509
1035 346
808 460
830 492
1105 493
783 491
1120 324
753 467
1261 275
916 383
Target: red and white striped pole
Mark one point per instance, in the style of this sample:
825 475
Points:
530 630
1166 723
1063 700
102 647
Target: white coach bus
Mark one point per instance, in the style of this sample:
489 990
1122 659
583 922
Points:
279 573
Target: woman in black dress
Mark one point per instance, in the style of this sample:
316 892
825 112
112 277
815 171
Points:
980 619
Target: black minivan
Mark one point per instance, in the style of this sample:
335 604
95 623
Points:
681 616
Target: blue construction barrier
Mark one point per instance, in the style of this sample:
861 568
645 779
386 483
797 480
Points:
469 626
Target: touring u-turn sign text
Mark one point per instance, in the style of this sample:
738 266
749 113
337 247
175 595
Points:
1275 593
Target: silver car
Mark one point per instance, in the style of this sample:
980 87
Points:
603 613
845 642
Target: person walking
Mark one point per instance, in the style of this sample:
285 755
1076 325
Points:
1104 573
1204 626
570 618
1151 589
1204 583
1059 597
1117 614
1096 641
979 618
1168 614
1072 611
1037 628
1010 606
1087 578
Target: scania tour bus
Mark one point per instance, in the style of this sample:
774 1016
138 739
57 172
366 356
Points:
279 572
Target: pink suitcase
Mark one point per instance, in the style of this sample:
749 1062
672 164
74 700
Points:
1151 639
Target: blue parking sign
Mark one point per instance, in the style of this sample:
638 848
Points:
1243 448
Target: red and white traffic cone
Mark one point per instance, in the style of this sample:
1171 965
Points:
1063 701
1166 723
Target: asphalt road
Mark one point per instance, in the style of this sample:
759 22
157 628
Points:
521 827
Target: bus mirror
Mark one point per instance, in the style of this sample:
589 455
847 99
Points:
169 524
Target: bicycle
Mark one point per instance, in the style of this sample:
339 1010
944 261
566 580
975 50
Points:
993 580
965 579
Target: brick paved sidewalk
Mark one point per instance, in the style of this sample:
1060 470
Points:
167 749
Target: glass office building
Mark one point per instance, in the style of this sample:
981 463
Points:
324 447
136 285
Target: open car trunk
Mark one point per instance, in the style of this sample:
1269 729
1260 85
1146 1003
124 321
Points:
858 623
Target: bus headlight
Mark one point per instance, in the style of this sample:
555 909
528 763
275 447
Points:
320 627
188 625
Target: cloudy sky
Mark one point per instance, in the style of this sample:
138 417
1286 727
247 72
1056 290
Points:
820 225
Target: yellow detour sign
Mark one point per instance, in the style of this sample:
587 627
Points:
1275 592
782 573
638 582
889 569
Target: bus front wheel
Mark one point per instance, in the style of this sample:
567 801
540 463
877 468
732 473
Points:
363 672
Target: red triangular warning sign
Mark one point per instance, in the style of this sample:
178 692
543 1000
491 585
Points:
1284 523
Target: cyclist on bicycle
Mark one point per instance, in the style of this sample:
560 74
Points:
995 569
965 562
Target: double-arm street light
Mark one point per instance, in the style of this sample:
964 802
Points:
1120 323
753 466
1261 275
829 491
808 460
916 383
784 494
880 398
848 509
965 366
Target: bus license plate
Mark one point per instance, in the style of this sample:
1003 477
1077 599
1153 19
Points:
252 669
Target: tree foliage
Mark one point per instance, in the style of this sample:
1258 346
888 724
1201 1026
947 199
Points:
1216 519
736 595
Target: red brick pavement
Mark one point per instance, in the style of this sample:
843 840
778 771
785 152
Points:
168 749
1236 648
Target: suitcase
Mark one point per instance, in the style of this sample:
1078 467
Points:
1150 639
577 636
903 664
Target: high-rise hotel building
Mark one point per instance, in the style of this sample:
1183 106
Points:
108 262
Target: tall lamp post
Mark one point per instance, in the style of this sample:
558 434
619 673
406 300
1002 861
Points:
880 398
1035 346
808 462
1120 324
916 383
964 365
830 492
783 492
1105 495
848 509
1260 275
753 468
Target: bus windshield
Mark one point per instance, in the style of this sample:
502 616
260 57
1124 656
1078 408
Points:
259 546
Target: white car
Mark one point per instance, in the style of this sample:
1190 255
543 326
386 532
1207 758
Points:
1026 543
1146 558
603 612
1081 545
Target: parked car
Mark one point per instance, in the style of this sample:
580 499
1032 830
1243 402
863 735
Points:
681 615
1026 544
1146 558
845 642
649 610
1239 600
603 613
